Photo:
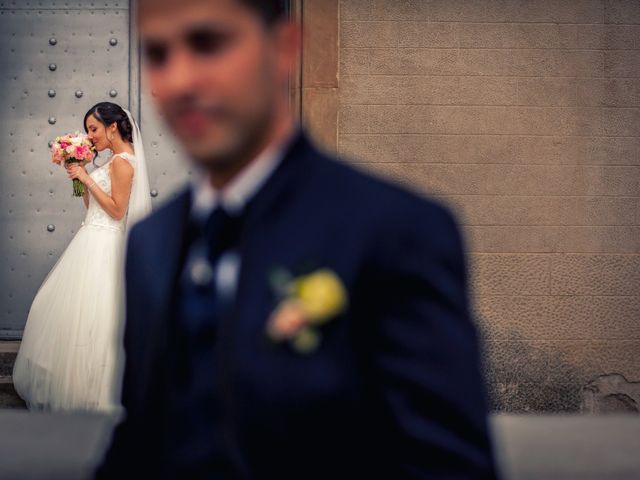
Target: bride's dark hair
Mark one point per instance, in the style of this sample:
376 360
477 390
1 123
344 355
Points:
107 113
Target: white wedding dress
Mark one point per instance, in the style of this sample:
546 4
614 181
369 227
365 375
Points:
70 351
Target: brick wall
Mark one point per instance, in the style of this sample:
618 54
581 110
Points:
525 117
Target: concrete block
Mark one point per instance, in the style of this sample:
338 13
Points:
414 61
353 119
356 9
538 91
430 35
431 148
608 92
456 90
509 239
552 150
482 62
428 90
550 63
486 91
368 34
621 63
603 150
608 37
500 179
521 120
554 239
509 274
618 121
621 11
546 317
496 210
369 90
505 62
603 317
401 10
442 119
595 274
559 150
516 35
581 11
595 239
354 61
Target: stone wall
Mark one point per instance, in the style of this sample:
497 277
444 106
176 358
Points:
525 118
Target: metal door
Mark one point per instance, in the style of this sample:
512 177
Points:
57 59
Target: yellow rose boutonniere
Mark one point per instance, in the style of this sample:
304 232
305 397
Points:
306 303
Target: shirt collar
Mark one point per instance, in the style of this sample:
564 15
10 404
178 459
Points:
242 187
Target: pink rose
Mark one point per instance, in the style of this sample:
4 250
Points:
80 152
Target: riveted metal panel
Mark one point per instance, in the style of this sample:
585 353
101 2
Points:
168 167
50 50
57 59
64 4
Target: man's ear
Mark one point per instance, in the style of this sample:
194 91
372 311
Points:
289 40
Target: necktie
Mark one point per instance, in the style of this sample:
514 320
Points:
193 446
207 241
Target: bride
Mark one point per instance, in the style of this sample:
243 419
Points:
70 354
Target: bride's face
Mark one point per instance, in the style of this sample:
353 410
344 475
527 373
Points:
97 133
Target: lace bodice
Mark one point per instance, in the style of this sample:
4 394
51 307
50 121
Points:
96 216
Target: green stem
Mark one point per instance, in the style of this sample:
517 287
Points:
78 186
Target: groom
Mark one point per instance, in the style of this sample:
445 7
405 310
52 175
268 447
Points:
287 316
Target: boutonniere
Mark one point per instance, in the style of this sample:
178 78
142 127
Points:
305 303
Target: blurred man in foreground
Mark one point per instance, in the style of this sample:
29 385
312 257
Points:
287 316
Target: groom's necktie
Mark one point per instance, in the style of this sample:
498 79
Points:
193 398
207 242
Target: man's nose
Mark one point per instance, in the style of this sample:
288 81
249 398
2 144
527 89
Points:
179 73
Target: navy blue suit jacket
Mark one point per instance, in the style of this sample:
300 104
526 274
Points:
395 388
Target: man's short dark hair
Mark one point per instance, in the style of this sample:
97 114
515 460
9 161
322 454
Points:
269 10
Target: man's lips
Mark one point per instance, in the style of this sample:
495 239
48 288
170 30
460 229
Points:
192 121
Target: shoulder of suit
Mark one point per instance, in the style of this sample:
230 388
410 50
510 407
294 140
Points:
390 211
375 191
157 216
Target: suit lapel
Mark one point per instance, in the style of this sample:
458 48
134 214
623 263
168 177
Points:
170 247
266 206
165 248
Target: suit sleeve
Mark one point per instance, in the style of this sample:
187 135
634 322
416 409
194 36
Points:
429 391
122 454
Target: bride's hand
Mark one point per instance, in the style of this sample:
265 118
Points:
78 171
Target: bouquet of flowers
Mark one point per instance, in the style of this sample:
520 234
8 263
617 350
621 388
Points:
73 148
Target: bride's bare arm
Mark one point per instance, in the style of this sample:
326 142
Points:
85 197
121 173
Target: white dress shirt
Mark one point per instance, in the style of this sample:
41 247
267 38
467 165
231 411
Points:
233 198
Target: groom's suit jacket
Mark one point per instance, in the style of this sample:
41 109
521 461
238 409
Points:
393 390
